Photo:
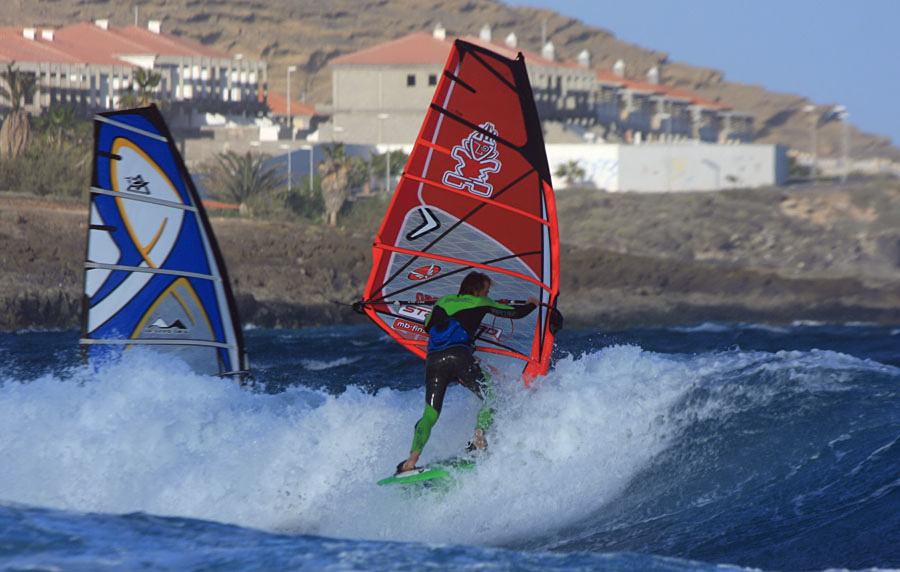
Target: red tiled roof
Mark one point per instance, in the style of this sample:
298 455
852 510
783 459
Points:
659 88
92 44
418 48
694 98
278 105
167 44
88 43
610 78
15 47
513 53
424 48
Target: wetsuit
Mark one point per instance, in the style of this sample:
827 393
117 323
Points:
452 327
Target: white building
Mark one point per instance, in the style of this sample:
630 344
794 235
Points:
91 66
379 95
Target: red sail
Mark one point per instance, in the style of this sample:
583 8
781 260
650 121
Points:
475 194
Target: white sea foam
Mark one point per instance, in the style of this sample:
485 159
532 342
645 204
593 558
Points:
319 365
142 436
705 327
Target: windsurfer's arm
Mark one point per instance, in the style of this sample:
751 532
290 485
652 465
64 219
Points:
513 312
437 317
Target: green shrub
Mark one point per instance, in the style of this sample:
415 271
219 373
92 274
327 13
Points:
58 160
365 213
43 171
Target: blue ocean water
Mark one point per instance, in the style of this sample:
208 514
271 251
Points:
716 447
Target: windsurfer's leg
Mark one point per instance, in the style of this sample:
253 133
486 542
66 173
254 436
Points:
486 413
478 382
423 428
435 387
421 434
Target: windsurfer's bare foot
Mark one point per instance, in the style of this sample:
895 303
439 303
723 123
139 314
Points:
409 464
479 440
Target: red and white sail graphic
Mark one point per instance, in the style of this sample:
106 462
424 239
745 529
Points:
475 195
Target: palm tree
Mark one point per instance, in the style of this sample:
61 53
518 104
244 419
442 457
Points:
56 121
571 171
335 172
238 178
15 135
147 82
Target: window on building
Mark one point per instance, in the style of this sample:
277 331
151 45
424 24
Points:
432 79
411 80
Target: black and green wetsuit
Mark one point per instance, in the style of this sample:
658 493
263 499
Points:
452 328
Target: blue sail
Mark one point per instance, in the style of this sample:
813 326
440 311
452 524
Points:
154 275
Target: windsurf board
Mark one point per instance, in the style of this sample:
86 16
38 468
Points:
438 470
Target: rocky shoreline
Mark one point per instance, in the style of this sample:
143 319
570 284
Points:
825 253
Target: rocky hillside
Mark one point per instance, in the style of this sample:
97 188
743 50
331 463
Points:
309 33
829 253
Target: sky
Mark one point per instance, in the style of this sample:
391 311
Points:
841 52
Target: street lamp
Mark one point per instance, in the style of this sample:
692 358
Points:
813 120
290 119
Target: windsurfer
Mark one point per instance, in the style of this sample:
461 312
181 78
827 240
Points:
452 329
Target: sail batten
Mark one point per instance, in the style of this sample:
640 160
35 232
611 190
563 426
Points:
154 275
486 265
151 200
536 218
103 118
151 270
475 195
149 342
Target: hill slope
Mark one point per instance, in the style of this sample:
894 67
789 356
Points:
825 252
309 33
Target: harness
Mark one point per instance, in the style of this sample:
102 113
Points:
450 333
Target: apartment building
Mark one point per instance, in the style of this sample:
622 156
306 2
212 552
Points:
379 95
92 65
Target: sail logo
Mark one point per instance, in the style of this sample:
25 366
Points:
160 326
409 328
493 332
424 272
137 184
429 223
415 312
422 298
476 158
154 228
